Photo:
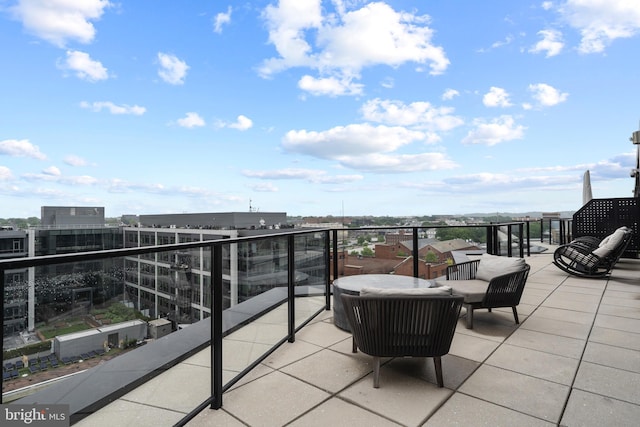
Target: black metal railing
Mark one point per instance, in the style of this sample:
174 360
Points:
601 217
275 270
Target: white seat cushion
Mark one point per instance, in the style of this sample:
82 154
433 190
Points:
491 266
472 290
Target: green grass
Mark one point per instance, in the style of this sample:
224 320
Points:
74 325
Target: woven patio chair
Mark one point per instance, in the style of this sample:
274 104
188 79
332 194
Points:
502 286
583 258
398 326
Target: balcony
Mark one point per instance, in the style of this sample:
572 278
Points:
573 360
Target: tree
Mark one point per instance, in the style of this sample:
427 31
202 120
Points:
431 257
476 234
367 252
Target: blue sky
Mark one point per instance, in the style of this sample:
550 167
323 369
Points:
316 107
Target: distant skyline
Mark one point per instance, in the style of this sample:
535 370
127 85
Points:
316 108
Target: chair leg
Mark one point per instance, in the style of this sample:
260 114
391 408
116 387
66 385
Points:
376 372
515 315
354 347
437 361
469 316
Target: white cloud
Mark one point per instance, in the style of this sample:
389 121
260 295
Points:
314 176
172 70
547 5
417 114
113 108
551 43
52 170
546 95
242 123
331 86
191 120
340 44
264 187
368 148
74 160
399 163
496 97
5 173
59 21
450 94
350 140
600 22
508 40
498 130
20 148
388 83
84 67
221 19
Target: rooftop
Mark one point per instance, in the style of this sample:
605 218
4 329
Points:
573 360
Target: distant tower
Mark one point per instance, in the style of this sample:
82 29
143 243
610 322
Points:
635 173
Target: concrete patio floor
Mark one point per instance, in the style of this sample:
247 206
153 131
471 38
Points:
574 360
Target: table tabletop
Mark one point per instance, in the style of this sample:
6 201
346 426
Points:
384 281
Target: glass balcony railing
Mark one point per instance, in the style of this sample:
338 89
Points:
144 309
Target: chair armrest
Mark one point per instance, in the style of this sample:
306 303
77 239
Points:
463 271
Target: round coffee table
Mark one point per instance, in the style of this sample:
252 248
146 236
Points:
351 285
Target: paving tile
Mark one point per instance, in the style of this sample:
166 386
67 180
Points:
565 315
323 334
522 393
455 370
558 327
546 366
259 332
402 398
495 325
579 288
524 310
584 283
570 304
617 322
462 410
630 340
290 352
238 355
472 347
569 294
531 298
622 290
273 400
588 409
330 370
607 381
535 283
214 417
622 311
614 357
188 384
130 414
621 301
555 344
337 412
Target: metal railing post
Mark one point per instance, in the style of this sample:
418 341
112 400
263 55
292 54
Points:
335 253
291 291
216 326
327 252
416 255
2 311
